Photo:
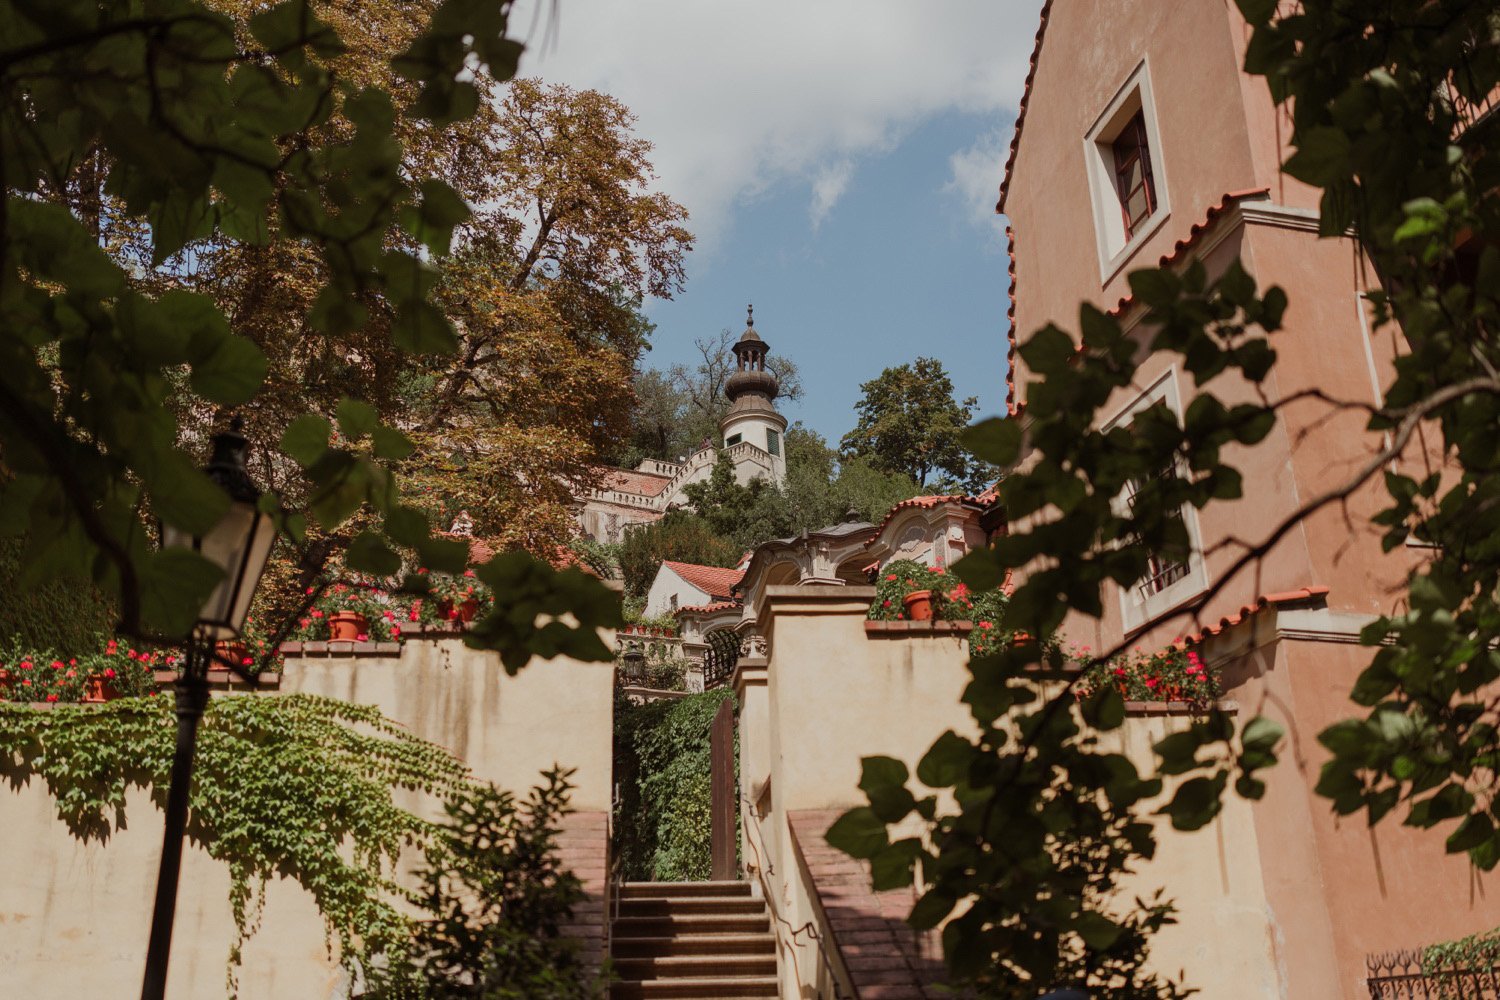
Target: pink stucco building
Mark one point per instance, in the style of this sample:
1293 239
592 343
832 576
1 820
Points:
1141 142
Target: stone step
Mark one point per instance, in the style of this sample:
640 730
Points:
675 924
717 988
694 944
658 890
664 905
695 967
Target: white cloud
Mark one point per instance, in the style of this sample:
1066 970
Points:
738 95
828 187
975 174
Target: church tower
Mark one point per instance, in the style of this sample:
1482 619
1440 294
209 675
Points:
752 416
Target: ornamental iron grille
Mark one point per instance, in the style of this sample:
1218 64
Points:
1403 975
723 653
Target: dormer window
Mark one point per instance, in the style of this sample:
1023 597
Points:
1133 180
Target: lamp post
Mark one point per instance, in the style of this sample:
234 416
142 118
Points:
239 545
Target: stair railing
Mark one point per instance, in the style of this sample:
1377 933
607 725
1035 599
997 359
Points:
792 935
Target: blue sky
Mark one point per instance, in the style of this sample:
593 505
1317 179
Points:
840 161
904 264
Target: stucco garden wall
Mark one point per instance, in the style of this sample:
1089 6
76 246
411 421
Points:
74 917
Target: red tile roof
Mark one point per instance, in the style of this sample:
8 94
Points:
647 484
1015 138
1195 235
985 498
1179 250
716 581
706 609
1315 594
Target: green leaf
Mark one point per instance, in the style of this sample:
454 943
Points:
306 440
368 553
930 910
1322 156
946 763
1105 709
232 374
174 584
1097 930
1196 803
995 440
356 418
1473 831
1261 733
390 444
858 833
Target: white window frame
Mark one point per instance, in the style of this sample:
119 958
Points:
1136 608
1098 153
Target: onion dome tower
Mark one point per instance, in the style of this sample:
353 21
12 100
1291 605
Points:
752 416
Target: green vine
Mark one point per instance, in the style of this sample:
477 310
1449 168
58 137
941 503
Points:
297 786
662 766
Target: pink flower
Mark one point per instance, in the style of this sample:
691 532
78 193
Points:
26 682
1119 671
26 665
247 661
468 572
886 604
890 576
306 622
109 672
72 663
57 664
52 697
130 653
413 616
311 589
71 673
316 613
984 625
362 637
389 616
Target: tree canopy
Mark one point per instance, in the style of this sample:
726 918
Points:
165 167
910 422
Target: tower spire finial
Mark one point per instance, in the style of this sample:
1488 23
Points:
750 315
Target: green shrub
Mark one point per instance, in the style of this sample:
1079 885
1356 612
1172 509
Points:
51 613
662 762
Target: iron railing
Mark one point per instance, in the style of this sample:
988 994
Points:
1403 975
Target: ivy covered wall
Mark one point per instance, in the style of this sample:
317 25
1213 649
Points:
662 762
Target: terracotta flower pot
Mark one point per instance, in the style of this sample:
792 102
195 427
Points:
347 626
464 612
232 652
918 605
99 688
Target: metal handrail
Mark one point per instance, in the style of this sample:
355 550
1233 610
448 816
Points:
793 934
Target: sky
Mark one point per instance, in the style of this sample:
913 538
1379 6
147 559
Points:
840 162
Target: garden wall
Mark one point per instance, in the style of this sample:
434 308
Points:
74 917
838 688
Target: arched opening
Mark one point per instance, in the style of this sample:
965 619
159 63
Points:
723 653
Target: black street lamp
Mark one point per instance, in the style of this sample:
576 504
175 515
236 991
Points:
239 545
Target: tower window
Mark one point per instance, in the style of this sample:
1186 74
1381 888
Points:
732 440
1133 181
773 442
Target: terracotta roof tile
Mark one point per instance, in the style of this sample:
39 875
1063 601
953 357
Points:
1315 594
716 581
647 484
1015 138
925 502
705 609
1195 235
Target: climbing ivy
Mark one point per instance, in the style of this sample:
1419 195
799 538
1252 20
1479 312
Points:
298 786
662 763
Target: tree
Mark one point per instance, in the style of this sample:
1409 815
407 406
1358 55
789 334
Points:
678 410
909 422
494 899
135 142
1352 75
679 536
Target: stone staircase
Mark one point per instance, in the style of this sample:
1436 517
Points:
692 941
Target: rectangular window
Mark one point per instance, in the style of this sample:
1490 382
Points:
732 440
1161 571
773 442
1134 183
